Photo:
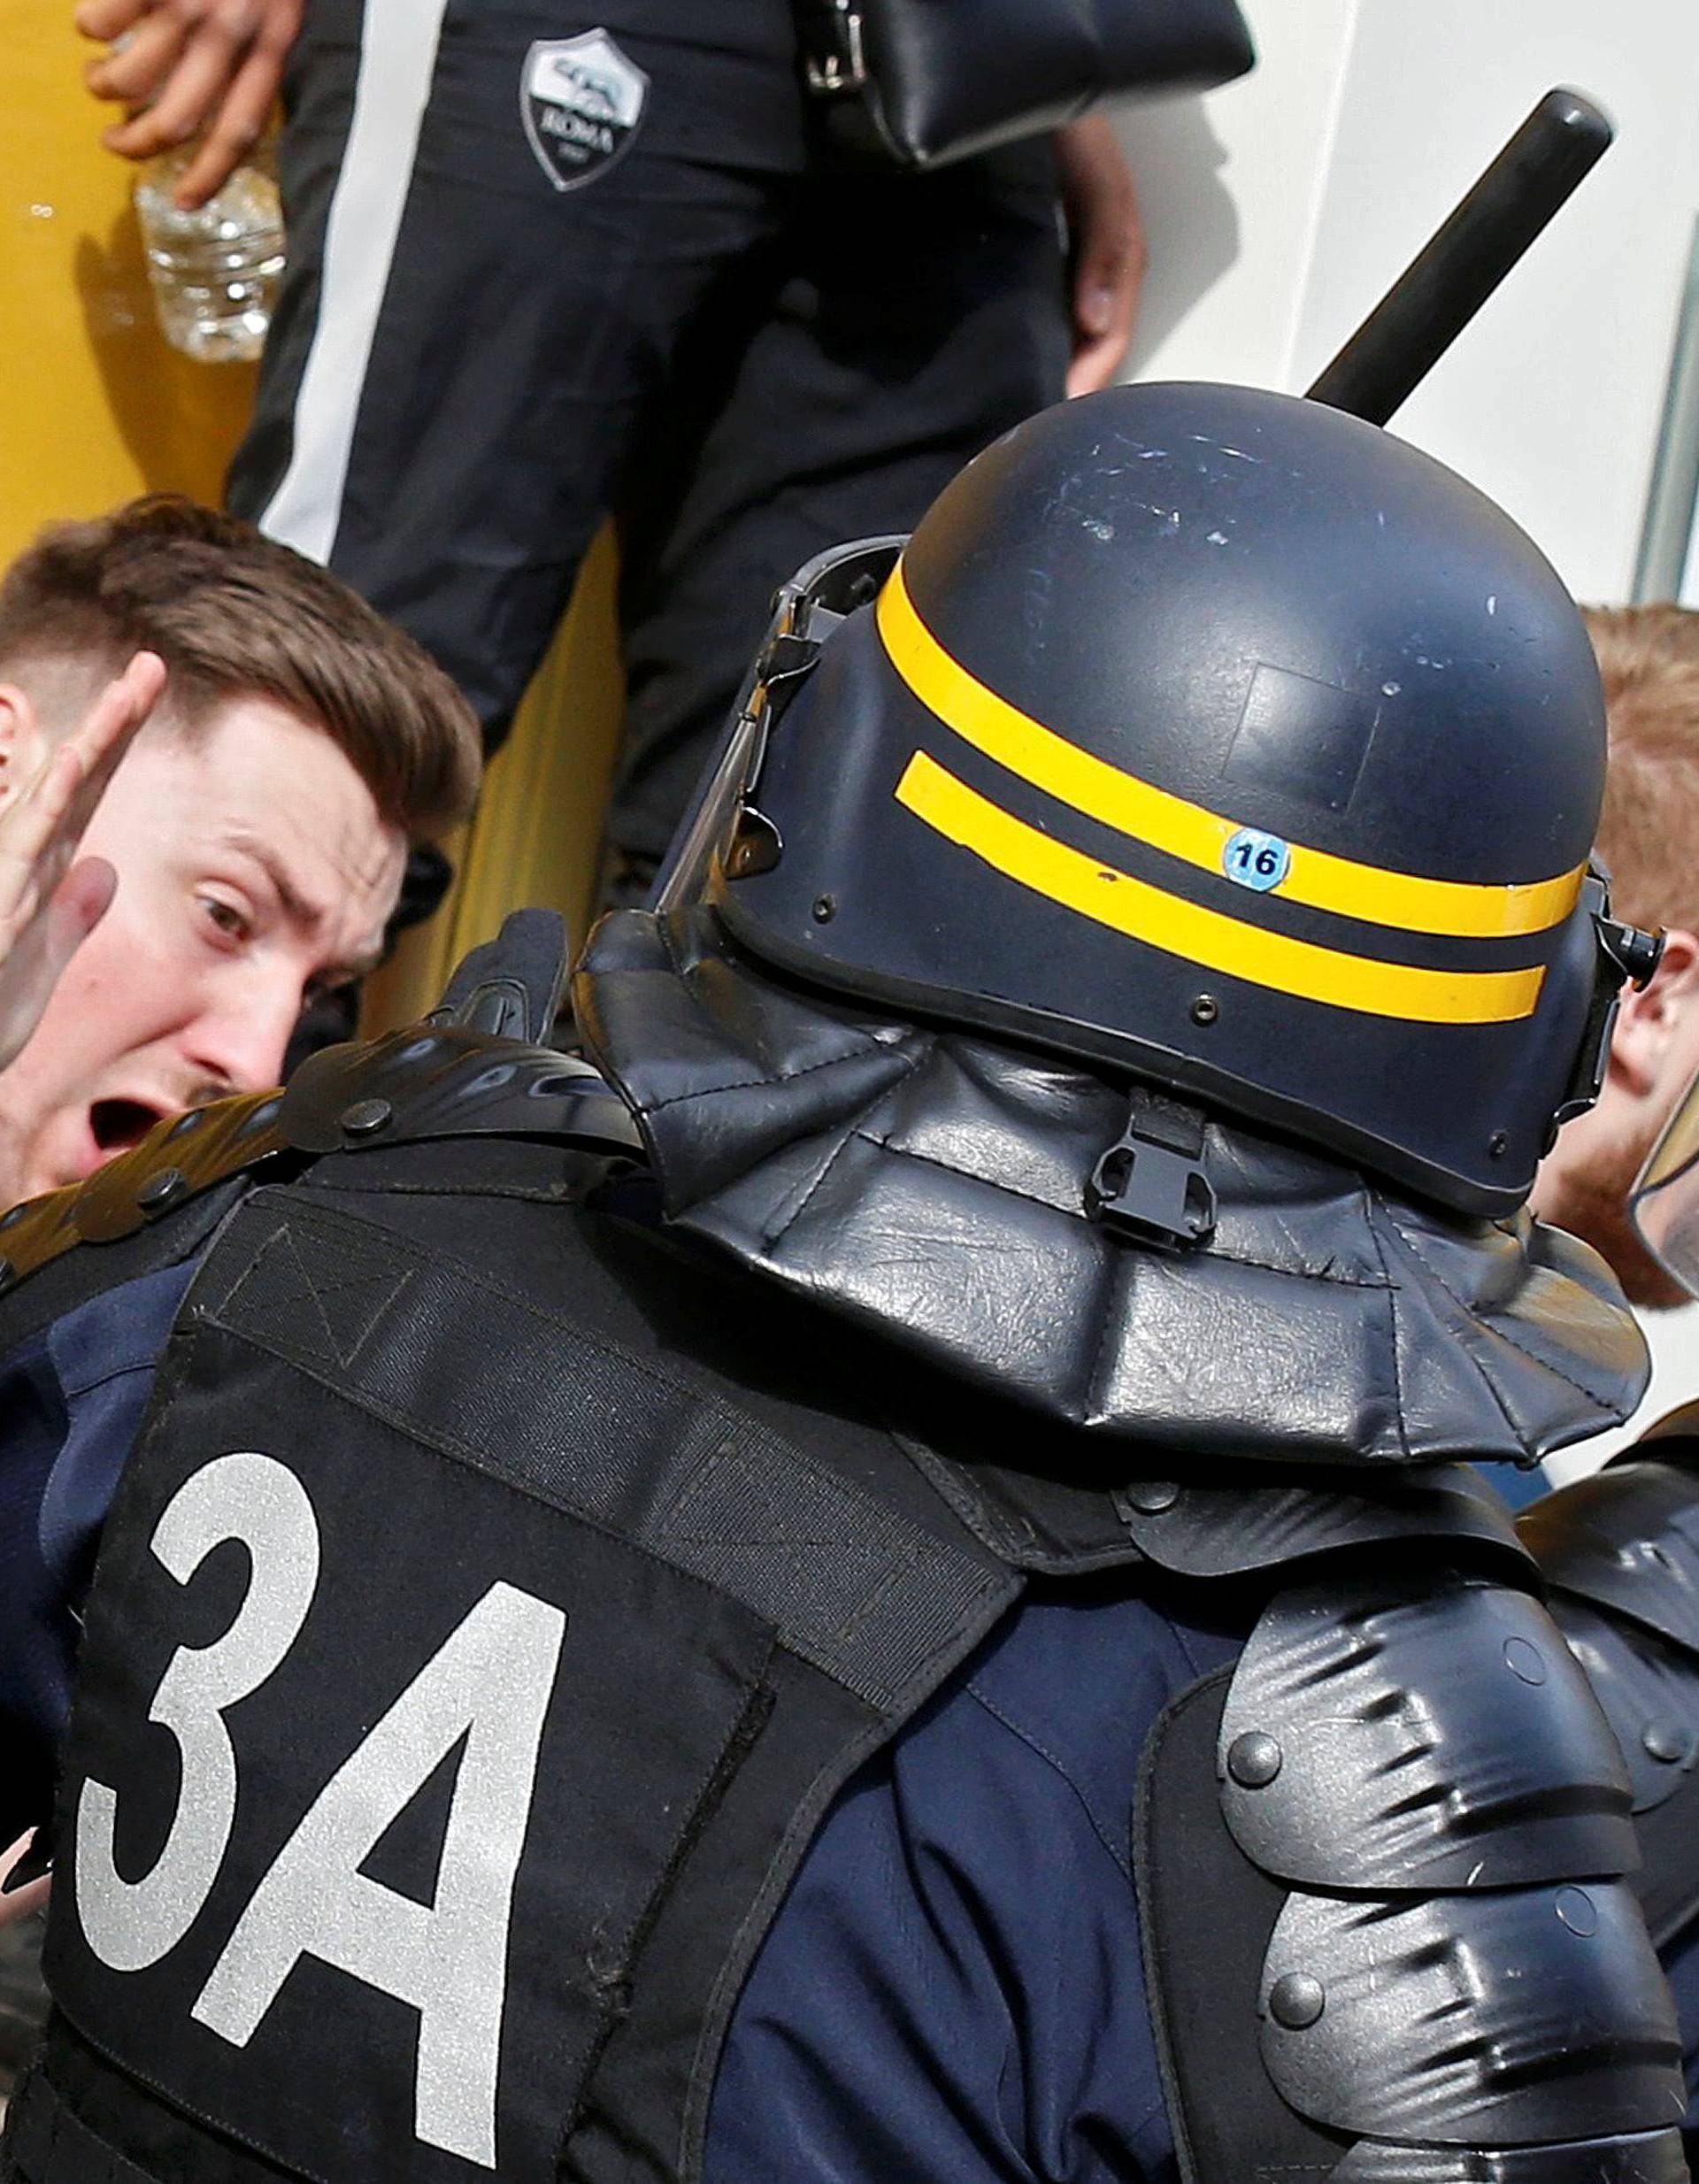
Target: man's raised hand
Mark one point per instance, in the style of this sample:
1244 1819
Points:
48 903
18 1900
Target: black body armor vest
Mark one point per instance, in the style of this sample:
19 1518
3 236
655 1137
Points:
501 1593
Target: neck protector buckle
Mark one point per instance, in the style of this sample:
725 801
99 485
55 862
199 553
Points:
1150 1185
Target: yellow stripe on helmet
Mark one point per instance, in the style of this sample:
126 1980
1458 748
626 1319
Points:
1103 792
1206 937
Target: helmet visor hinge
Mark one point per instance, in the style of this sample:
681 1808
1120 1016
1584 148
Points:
1635 953
1150 1185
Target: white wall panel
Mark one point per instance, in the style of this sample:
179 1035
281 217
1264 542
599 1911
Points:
1232 187
1279 208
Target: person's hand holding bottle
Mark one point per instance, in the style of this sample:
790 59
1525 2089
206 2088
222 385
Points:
190 68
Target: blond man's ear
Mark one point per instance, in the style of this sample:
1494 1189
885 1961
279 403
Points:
1658 1025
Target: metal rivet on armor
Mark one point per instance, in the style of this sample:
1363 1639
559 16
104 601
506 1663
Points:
1578 1910
262 1117
365 1117
1525 1660
1296 2000
12 1216
1205 1008
1665 1741
160 1190
826 908
8 1273
185 1123
1151 1497
1498 1145
1254 1759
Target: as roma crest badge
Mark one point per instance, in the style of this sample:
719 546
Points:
580 100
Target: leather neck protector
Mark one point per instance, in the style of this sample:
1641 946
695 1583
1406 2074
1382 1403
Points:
931 1185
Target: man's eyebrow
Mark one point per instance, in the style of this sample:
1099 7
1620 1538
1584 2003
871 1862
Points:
297 907
298 910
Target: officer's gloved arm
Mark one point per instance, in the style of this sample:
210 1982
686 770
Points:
511 987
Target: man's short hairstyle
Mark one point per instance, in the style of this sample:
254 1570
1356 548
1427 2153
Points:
233 614
1649 836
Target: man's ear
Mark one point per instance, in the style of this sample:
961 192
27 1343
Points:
23 740
1657 1021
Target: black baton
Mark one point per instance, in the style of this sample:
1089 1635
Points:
1425 309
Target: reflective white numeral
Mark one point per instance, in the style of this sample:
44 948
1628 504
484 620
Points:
489 1683
255 1499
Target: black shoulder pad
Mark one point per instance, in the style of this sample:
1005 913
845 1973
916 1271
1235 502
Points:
1637 2158
1386 1939
426 1081
1238 1520
1626 1539
435 1080
1425 2000
1620 1552
1678 1432
1387 1734
177 1162
1649 1692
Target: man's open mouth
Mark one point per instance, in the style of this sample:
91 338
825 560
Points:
119 1124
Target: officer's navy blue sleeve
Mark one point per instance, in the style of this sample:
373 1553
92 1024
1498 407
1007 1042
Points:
71 1406
953 1989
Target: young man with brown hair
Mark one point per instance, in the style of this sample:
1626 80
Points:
288 743
1649 837
258 826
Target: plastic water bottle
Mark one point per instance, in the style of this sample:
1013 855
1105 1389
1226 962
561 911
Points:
214 271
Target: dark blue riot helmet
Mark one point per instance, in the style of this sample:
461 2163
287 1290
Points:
1214 737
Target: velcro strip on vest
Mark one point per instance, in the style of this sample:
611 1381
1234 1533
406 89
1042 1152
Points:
494 1380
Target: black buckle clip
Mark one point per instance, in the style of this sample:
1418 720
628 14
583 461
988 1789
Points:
839 64
1635 953
1149 1192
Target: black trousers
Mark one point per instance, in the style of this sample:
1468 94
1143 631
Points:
743 350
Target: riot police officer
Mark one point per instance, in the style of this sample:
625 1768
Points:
970 1647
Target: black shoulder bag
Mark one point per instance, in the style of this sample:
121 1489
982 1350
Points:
921 83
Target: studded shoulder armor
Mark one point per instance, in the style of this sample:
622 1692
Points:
1620 1552
1383 1869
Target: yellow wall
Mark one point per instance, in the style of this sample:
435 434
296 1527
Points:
535 836
96 408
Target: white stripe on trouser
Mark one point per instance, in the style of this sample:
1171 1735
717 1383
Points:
397 60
